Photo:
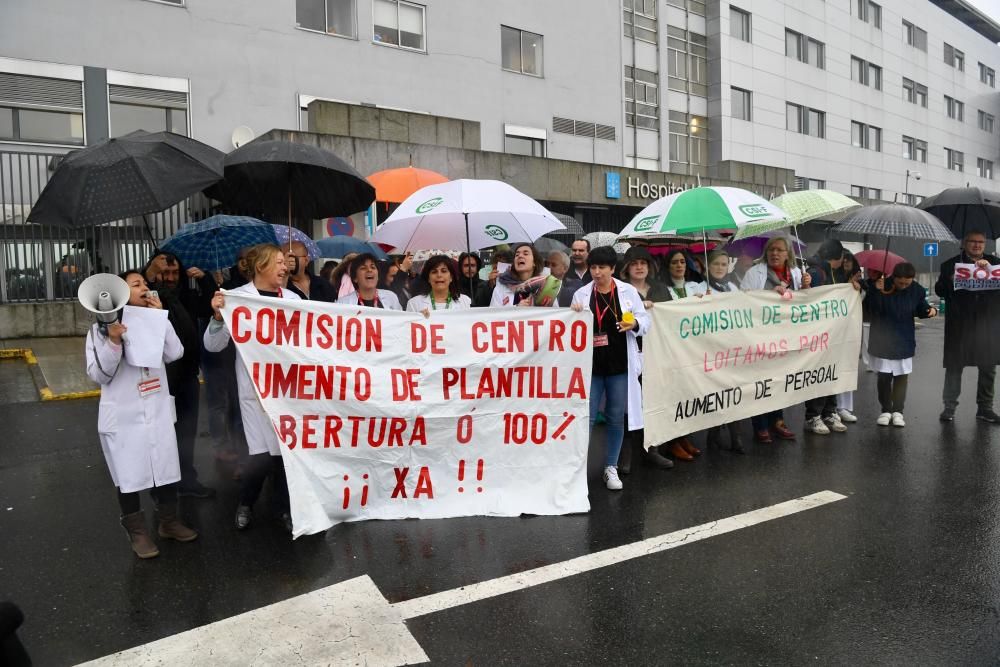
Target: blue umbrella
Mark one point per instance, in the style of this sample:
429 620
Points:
215 243
338 246
281 232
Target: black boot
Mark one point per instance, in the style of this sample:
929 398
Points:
625 455
735 439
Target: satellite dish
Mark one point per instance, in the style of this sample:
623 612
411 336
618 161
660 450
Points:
242 135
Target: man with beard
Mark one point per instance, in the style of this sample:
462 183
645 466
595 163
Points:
185 305
300 278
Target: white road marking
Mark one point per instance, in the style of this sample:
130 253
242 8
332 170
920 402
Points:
351 623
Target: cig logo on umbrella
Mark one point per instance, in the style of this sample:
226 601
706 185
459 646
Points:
646 224
496 232
430 205
753 210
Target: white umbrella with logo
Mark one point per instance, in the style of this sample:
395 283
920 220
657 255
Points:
465 215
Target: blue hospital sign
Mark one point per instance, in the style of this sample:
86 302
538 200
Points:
930 250
613 185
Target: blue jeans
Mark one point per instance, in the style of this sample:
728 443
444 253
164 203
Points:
614 389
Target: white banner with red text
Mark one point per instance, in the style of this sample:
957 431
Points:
727 356
974 278
389 415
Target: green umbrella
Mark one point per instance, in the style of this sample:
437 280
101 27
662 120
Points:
700 210
807 205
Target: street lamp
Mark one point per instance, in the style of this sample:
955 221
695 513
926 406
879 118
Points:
906 188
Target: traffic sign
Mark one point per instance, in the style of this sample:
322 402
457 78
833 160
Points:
930 250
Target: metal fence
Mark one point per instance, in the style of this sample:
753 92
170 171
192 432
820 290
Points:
40 262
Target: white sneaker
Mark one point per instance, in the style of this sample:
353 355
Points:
884 418
897 419
834 423
816 425
611 478
846 416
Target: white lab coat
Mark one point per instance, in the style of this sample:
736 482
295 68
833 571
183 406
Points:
691 289
136 432
259 430
756 278
387 298
629 298
418 303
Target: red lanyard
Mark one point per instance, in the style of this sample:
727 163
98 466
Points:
609 305
375 302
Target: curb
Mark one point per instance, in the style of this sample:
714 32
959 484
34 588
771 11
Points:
44 392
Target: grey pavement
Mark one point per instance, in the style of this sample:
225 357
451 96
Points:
61 361
903 571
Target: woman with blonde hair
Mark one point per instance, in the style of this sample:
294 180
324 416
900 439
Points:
264 265
776 271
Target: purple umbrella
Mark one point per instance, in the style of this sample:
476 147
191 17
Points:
281 231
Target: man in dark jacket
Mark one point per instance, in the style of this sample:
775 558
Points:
185 306
300 278
971 323
821 413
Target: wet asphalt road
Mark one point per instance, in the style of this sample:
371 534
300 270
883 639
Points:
904 571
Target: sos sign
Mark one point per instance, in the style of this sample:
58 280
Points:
974 277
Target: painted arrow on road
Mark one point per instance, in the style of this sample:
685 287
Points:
352 623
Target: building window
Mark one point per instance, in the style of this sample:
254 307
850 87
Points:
954 57
688 143
914 36
640 20
866 136
687 61
641 98
954 160
985 121
131 108
521 51
36 109
399 23
865 192
866 73
739 23
987 75
915 93
914 149
869 12
693 6
954 108
333 17
741 101
815 184
984 168
523 141
805 49
805 120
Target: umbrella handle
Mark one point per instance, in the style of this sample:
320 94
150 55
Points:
885 260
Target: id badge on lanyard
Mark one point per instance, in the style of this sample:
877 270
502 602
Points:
148 385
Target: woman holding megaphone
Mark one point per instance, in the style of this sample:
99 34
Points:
135 422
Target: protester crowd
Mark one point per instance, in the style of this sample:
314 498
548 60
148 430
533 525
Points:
149 440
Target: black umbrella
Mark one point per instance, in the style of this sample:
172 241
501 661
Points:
891 220
269 178
573 228
966 210
133 175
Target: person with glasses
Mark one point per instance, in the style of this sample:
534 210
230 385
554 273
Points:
970 331
301 280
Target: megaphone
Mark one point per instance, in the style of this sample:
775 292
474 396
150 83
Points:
104 294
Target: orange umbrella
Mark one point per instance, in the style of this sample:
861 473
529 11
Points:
393 186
